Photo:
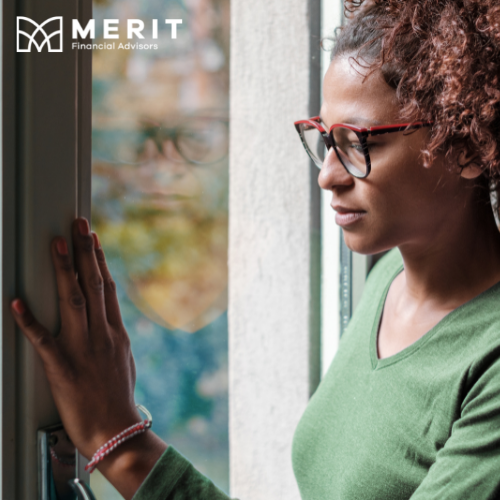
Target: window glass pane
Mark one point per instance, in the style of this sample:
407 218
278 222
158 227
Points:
160 190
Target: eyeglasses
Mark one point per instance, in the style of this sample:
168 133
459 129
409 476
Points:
197 140
349 142
200 140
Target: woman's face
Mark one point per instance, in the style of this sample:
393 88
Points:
400 202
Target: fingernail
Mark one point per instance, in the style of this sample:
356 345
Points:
62 247
18 306
97 243
83 226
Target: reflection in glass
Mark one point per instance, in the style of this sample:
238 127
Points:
165 220
160 197
198 140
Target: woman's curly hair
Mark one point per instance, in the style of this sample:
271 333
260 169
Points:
443 59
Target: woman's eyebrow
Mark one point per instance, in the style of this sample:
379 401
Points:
357 120
362 121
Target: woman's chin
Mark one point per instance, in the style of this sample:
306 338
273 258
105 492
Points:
365 244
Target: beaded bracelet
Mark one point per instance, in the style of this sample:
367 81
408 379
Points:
125 435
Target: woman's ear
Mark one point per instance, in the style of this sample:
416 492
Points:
469 169
471 172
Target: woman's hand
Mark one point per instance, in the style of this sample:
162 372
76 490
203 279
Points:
89 365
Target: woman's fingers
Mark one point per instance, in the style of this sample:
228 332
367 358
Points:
72 302
111 300
89 276
43 342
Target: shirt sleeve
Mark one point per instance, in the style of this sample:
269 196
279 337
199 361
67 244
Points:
468 465
174 478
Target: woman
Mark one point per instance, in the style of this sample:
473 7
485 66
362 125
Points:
411 404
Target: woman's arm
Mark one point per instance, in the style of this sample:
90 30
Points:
468 465
89 365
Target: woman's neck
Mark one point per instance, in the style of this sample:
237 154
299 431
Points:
457 263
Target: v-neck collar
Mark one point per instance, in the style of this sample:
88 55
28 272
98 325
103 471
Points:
377 363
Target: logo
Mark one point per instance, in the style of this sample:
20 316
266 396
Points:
39 35
53 40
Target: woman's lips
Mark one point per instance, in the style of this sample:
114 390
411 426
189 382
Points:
347 216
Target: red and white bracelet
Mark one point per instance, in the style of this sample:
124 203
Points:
125 435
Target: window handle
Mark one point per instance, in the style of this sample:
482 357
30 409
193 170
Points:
82 490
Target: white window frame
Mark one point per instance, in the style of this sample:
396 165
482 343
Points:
343 276
331 234
45 159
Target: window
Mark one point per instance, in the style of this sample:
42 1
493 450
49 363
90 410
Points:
160 206
274 255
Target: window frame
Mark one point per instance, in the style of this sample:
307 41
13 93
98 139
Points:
45 155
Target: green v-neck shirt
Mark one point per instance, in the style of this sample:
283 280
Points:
422 424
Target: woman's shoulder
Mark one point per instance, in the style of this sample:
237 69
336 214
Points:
480 318
385 269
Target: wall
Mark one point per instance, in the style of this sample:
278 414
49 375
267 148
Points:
274 250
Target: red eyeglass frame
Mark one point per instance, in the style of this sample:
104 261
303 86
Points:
362 132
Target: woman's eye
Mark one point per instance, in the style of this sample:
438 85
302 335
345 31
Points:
359 148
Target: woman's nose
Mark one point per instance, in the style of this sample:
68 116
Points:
333 173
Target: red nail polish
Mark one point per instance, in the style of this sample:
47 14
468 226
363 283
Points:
62 247
97 243
18 306
83 226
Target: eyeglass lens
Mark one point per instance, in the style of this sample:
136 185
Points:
313 143
203 141
348 148
350 151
